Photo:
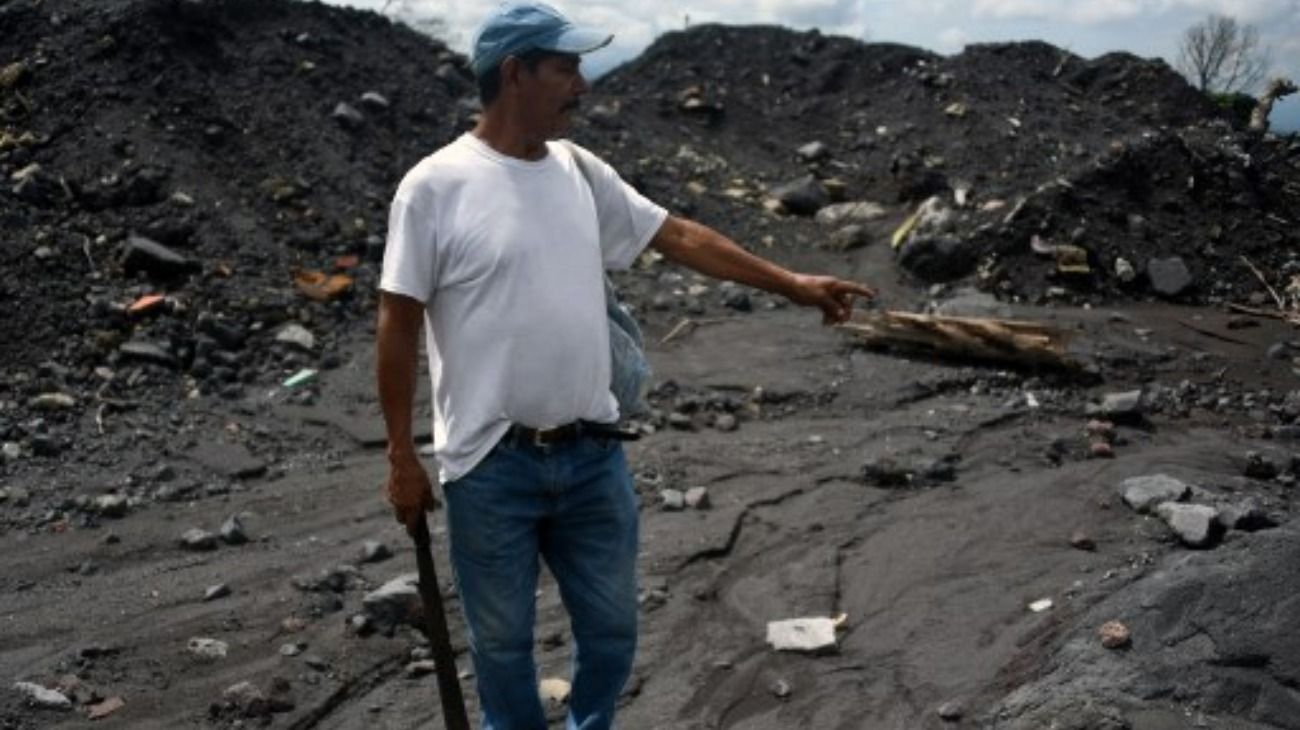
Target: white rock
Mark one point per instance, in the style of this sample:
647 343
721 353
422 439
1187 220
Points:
44 697
554 691
296 335
208 649
812 634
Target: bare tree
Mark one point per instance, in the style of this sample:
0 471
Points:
1223 56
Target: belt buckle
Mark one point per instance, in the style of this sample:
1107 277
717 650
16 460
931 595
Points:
539 438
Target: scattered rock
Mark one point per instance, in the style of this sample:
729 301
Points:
112 505
848 238
937 258
1169 277
232 531
804 196
780 689
207 649
1101 450
231 460
221 590
809 635
374 101
394 604
199 540
103 709
1246 516
347 116
298 336
697 498
813 152
725 422
1196 525
1145 492
1115 635
374 551
153 258
672 500
421 668
1128 404
855 212
554 691
43 697
1261 466
951 711
1080 540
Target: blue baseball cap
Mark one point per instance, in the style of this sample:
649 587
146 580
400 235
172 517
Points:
514 28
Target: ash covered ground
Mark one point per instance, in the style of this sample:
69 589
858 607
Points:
192 213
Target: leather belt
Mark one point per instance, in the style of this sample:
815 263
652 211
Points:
567 433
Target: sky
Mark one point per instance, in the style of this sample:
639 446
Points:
1088 28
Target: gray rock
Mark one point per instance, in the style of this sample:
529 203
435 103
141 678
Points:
725 422
245 699
738 300
394 604
1169 277
681 421
860 211
1248 516
374 551
207 649
697 498
232 531
781 689
148 352
1278 351
1196 525
849 237
52 402
813 152
112 505
44 697
1145 492
11 451
291 649
298 336
1261 466
315 662
232 460
672 500
804 196
1128 404
375 101
937 258
153 258
421 668
348 116
198 539
951 711
221 590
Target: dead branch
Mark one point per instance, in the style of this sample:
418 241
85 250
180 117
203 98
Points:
998 340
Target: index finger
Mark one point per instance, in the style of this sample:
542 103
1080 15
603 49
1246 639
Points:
853 287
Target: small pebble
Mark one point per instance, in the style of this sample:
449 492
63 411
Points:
1115 635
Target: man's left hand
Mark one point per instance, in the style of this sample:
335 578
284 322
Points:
833 296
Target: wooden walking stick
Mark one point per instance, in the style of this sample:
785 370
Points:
444 659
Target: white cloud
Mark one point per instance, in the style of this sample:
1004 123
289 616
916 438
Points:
952 40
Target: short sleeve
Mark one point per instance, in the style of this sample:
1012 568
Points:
628 220
410 254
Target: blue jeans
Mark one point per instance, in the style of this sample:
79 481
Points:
573 505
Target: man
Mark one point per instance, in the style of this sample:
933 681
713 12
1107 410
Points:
496 246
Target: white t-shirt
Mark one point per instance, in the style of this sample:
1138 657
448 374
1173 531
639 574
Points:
507 256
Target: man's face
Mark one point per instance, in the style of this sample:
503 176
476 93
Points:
550 95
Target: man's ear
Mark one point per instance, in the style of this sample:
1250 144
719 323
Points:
511 67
